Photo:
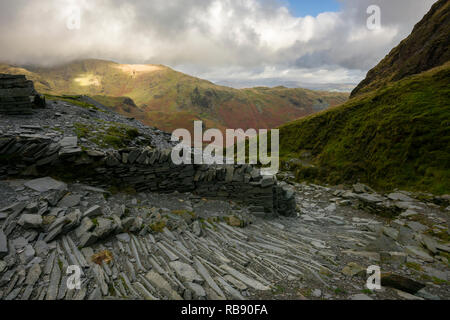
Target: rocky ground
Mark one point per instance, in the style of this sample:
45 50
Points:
94 124
179 246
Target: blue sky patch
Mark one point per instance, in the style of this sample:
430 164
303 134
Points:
301 8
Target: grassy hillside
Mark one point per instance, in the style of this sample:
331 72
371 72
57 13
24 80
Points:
169 99
394 137
427 47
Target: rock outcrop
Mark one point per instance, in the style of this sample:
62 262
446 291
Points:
17 95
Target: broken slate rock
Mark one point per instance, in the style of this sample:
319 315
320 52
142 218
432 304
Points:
31 221
45 184
401 283
3 244
70 201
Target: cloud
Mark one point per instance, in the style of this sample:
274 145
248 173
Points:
255 39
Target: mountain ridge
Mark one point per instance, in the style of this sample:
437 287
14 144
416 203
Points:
170 99
425 48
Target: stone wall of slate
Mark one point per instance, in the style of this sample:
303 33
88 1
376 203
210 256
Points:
143 170
16 95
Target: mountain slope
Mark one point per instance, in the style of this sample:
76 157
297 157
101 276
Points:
395 137
169 99
427 47
395 131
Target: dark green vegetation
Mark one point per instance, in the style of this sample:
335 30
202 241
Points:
395 137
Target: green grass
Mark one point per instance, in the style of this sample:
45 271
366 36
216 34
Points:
396 137
72 99
113 135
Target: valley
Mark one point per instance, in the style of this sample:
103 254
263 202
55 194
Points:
162 97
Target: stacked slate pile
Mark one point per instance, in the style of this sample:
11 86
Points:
17 95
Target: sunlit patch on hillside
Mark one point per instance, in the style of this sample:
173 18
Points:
134 69
87 80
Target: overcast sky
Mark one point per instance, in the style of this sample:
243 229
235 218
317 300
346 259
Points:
232 41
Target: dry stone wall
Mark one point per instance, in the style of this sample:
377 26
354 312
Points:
16 95
144 169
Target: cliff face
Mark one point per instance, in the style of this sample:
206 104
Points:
427 47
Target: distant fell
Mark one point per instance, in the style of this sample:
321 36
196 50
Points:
162 97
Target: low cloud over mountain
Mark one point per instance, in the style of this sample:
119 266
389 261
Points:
221 40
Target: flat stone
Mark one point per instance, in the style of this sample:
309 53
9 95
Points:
32 221
186 272
369 198
33 274
104 227
235 282
3 266
267 181
94 211
100 278
32 207
55 277
408 213
383 243
317 293
441 275
27 255
19 243
391 232
406 237
419 252
197 289
70 201
53 233
144 292
69 142
196 228
86 226
366 254
393 257
41 248
67 152
430 244
407 296
361 188
45 184
400 197
160 283
426 295
124 237
360 297
242 277
3 244
88 239
353 269
209 280
95 153
444 248
416 226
